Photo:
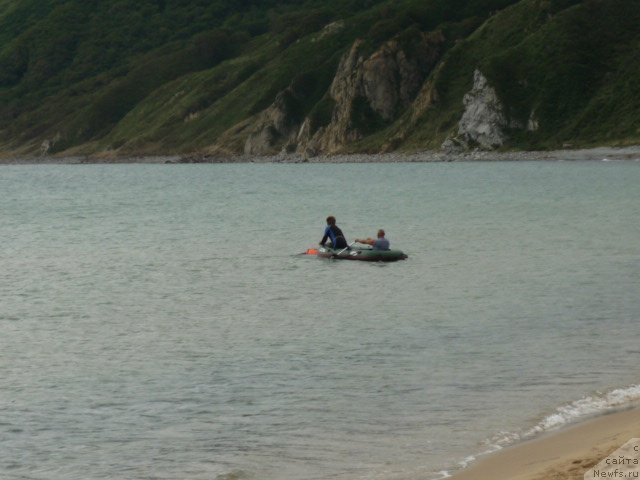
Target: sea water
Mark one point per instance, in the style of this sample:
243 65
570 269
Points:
157 322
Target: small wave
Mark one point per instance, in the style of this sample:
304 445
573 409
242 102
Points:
586 407
468 461
589 406
492 448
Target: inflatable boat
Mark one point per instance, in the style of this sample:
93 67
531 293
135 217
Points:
362 253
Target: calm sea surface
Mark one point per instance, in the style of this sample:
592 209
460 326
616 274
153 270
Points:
156 322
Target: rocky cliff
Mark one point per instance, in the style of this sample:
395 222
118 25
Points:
276 127
368 92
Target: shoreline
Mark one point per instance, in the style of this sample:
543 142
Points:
630 153
564 454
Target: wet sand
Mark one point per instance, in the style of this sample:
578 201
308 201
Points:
565 454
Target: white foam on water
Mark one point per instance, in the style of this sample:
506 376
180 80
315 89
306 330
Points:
596 404
589 406
468 461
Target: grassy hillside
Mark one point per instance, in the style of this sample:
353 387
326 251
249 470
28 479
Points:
570 63
162 76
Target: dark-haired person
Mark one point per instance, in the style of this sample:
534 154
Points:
380 243
333 233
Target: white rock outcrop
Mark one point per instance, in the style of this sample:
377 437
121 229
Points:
47 144
484 121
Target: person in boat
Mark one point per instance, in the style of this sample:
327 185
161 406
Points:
380 243
333 233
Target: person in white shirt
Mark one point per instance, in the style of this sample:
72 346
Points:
380 243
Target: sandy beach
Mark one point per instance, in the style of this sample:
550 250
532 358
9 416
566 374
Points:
565 454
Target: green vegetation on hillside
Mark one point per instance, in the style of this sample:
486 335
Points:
570 64
159 76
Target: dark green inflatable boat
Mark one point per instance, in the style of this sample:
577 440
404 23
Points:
365 254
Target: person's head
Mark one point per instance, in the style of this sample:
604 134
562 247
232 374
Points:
381 233
331 220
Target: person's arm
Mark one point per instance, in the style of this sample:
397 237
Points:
366 241
325 237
